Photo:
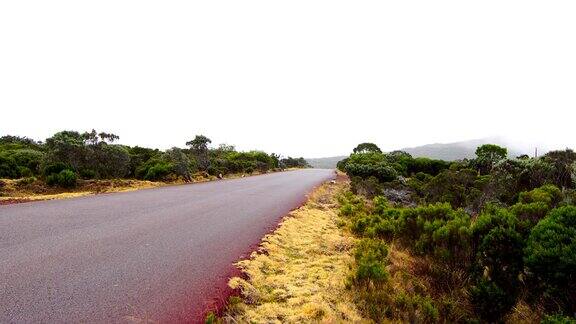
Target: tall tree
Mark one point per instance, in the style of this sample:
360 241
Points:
488 155
199 147
367 148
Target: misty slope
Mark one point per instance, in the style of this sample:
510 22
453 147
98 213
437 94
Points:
457 150
325 163
447 151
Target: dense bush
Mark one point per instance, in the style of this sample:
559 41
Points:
93 155
460 188
490 301
28 158
8 167
550 257
502 231
154 170
558 319
64 179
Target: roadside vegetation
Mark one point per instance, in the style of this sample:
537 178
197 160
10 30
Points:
489 239
299 273
71 163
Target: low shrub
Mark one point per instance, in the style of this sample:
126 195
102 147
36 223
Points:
54 168
558 319
490 301
371 260
65 179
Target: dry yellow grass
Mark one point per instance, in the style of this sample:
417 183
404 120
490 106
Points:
299 273
37 190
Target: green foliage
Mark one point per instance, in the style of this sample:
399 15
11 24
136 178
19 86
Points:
181 164
155 169
426 166
500 255
139 156
28 158
65 179
460 188
563 163
211 318
535 204
341 165
291 162
199 148
550 257
488 155
367 148
490 301
112 161
365 165
53 168
350 204
368 187
8 167
371 260
558 319
492 217
499 229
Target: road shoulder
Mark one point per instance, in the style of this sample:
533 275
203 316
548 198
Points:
299 273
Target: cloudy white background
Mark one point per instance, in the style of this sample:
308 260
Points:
309 78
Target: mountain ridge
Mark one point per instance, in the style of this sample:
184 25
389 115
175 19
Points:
443 151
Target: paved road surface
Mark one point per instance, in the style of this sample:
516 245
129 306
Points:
160 254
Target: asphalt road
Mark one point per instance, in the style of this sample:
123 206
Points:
160 254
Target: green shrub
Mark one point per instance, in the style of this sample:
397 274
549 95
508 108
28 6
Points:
461 188
52 180
26 181
350 204
550 257
500 257
492 217
367 187
558 319
24 171
88 174
491 302
548 194
371 260
28 158
54 168
155 169
158 172
65 179
8 167
530 212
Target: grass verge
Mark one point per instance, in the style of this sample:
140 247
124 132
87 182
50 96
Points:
14 191
299 274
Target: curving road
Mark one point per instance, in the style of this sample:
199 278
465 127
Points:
159 254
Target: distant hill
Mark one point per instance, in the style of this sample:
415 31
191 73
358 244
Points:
458 150
447 151
326 163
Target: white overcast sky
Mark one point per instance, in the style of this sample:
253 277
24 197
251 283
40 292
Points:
306 78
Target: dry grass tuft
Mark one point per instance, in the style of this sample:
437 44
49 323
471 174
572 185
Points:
300 272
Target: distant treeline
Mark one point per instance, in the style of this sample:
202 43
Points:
69 155
491 239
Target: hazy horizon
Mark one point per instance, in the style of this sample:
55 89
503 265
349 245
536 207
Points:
304 78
